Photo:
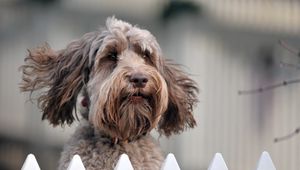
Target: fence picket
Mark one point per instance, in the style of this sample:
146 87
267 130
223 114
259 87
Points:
170 163
30 163
218 163
76 163
265 162
124 163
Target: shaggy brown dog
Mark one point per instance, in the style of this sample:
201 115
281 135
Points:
128 89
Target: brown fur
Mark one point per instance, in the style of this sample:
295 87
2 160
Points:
120 112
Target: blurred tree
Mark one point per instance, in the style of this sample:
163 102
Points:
44 2
176 7
268 61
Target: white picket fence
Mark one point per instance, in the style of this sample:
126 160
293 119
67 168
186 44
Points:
265 163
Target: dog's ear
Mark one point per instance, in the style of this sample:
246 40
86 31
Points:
182 98
59 75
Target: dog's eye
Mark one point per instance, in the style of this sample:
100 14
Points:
147 53
96 51
113 55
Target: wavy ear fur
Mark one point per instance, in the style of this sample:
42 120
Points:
182 99
60 74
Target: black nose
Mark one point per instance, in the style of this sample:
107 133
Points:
138 80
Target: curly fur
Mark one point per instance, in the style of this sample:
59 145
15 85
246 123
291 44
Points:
119 112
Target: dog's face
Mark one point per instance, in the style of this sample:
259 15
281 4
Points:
128 87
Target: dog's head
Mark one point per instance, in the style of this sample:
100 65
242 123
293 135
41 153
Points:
128 87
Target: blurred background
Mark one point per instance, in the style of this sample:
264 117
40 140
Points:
227 46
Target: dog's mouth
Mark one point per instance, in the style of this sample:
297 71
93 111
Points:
136 97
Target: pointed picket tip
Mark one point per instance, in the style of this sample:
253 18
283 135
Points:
170 163
124 163
76 163
30 163
218 163
265 162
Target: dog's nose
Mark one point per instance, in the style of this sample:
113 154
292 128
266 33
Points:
138 80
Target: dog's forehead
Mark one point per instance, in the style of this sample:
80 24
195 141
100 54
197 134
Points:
119 36
125 36
141 37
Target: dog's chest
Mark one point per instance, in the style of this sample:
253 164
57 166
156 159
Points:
98 153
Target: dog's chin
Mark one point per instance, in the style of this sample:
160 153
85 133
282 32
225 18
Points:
136 116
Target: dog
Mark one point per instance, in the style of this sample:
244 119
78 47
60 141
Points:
122 86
